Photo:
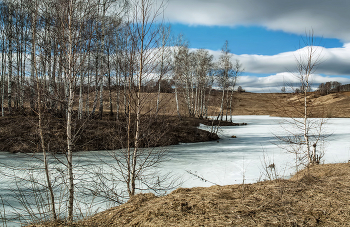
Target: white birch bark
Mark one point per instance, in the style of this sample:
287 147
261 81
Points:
3 71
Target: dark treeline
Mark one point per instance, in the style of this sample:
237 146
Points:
332 86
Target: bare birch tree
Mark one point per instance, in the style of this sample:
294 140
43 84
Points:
165 59
224 72
305 134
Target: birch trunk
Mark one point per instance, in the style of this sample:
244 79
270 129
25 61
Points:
102 52
87 105
109 84
118 90
177 100
227 102
138 108
18 55
3 71
231 104
101 98
306 134
43 147
70 80
96 85
80 109
222 104
9 78
196 102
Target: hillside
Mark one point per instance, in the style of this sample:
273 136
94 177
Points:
318 197
281 105
246 103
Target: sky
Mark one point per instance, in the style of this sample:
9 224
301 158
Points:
266 36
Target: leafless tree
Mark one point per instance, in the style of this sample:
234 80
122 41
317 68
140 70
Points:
204 64
165 59
144 56
182 73
305 134
226 75
237 72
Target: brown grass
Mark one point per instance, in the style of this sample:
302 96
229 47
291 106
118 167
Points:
316 197
290 105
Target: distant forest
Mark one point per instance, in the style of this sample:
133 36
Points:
332 86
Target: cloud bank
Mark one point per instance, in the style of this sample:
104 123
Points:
275 82
328 18
334 63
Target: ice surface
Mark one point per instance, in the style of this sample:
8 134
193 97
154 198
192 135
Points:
227 161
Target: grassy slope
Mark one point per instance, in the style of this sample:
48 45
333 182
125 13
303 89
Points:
277 104
318 197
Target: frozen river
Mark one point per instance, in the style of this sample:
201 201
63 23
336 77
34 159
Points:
233 159
229 161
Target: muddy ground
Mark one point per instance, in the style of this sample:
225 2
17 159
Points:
20 133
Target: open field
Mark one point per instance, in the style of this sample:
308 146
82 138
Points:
289 105
245 103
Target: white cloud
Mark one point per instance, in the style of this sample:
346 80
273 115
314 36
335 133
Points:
333 65
328 18
332 61
274 83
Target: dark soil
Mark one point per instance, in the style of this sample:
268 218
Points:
20 133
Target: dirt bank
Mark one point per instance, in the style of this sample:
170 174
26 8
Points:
20 133
318 197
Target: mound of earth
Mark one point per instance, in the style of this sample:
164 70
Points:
20 133
318 196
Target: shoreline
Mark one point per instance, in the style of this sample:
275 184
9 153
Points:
20 133
296 201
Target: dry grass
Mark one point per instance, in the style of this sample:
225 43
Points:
316 197
290 105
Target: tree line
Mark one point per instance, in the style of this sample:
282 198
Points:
105 48
332 86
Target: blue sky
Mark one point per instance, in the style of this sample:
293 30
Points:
265 36
245 39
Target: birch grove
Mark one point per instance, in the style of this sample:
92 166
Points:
95 60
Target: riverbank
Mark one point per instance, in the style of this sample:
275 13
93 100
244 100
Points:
20 133
316 197
313 197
